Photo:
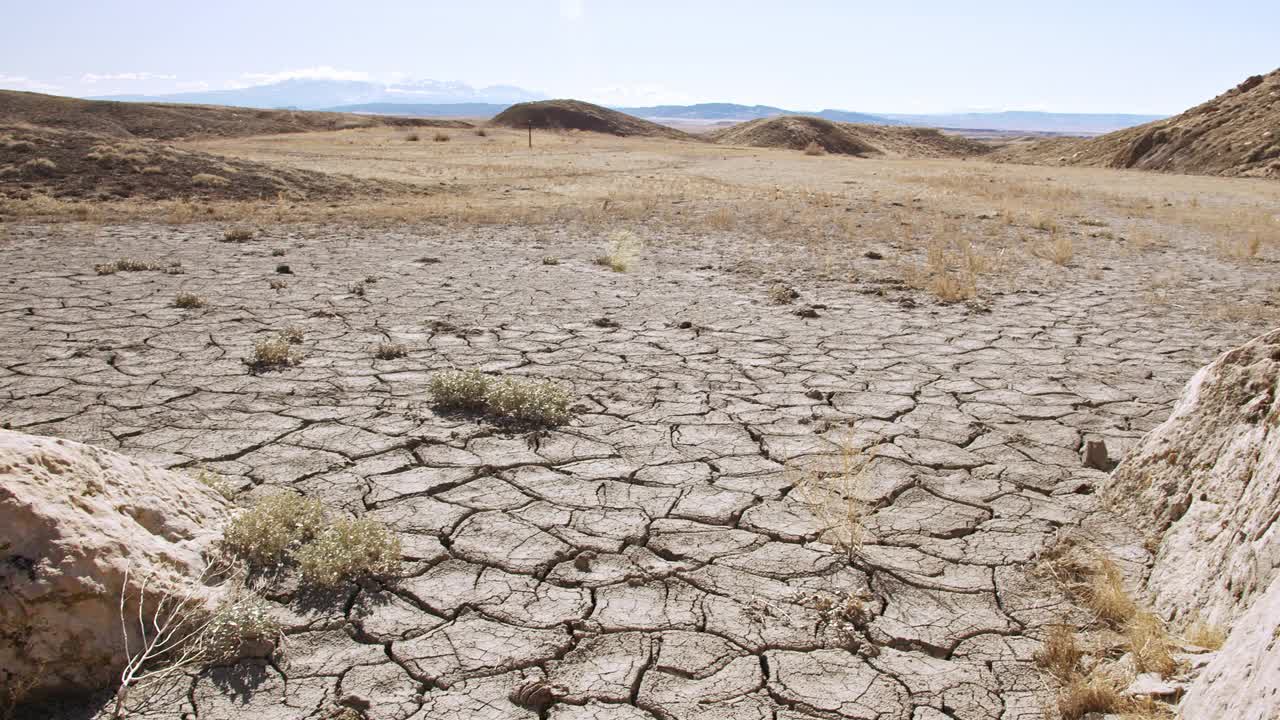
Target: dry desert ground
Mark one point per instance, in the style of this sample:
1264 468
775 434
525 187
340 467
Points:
825 429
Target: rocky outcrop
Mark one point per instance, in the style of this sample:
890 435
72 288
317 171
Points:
75 521
1207 484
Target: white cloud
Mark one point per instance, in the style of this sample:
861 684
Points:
322 72
192 85
639 95
19 82
571 9
128 76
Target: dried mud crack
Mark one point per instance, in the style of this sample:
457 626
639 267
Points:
650 558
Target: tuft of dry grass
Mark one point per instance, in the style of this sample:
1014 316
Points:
1205 635
237 234
277 283
1059 250
481 132
293 334
440 137
835 498
188 301
1107 596
550 260
623 251
390 350
1060 655
43 167
127 265
813 148
412 137
782 294
1149 644
1096 692
273 353
209 180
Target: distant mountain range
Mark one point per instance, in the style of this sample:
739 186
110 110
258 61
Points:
1084 123
315 94
432 98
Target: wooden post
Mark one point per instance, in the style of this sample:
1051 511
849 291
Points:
530 134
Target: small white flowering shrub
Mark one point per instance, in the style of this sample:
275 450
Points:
537 402
238 626
288 529
346 549
269 534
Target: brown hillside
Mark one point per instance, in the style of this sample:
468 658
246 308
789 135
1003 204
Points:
71 164
171 122
794 132
578 115
1236 133
797 131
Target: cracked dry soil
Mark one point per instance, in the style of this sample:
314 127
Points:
650 557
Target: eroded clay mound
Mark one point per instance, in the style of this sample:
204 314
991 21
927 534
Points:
1208 482
73 519
578 115
795 132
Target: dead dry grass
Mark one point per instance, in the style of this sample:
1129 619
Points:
835 496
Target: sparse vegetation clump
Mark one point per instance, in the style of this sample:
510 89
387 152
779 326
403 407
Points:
813 148
239 627
412 137
550 260
40 167
481 132
277 283
390 350
274 352
347 549
835 498
782 294
623 252
440 137
188 301
289 529
127 265
535 402
237 234
209 180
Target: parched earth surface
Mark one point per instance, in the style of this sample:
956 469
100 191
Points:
650 557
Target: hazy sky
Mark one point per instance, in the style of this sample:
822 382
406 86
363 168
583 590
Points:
1142 56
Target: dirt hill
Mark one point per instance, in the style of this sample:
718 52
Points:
1236 133
578 115
798 131
71 164
794 132
171 122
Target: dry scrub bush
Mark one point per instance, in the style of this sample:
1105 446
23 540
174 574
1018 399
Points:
188 301
1149 643
481 132
440 137
347 549
126 265
267 535
550 260
623 251
1107 596
1060 250
293 334
287 528
782 294
536 402
813 148
237 234
835 498
277 284
390 350
412 137
1096 692
1060 653
273 352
